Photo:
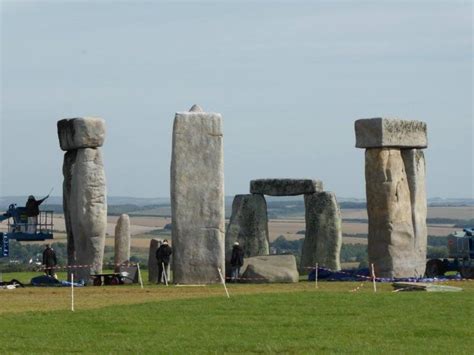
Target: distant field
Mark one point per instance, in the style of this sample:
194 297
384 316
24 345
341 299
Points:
287 227
270 318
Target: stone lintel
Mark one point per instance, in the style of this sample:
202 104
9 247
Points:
81 132
285 187
390 132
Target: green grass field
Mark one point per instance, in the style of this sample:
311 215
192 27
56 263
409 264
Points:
285 318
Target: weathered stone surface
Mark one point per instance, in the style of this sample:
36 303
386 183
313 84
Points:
83 132
197 198
69 159
414 161
270 268
196 108
152 262
389 132
285 187
323 237
391 238
248 225
88 211
122 241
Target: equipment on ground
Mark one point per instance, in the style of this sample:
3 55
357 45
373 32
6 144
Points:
126 275
460 254
19 229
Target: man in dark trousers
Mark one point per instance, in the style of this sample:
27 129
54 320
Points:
49 260
163 254
236 261
32 212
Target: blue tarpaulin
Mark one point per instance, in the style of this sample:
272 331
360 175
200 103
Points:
48 281
364 275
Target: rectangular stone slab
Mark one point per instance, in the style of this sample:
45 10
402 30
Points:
390 132
285 187
197 198
82 132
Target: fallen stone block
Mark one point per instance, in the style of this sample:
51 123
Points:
390 132
285 187
421 286
270 268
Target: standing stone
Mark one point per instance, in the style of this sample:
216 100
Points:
414 161
88 211
69 160
396 195
122 241
197 197
152 262
248 225
84 193
391 238
323 237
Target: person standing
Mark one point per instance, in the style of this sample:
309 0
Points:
236 261
32 212
49 260
163 254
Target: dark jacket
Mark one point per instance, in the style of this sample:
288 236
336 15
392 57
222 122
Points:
32 207
163 254
237 258
49 257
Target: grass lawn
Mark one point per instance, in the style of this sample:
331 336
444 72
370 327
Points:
294 318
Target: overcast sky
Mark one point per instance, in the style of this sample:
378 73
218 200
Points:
290 79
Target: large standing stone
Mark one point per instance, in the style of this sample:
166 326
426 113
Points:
323 237
197 197
152 262
248 225
270 268
391 239
122 241
88 211
83 132
285 187
387 132
414 161
69 159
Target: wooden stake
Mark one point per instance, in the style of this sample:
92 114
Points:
373 277
223 282
72 292
140 275
316 275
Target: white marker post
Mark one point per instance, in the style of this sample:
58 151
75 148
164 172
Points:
165 275
140 276
223 282
373 277
72 292
316 276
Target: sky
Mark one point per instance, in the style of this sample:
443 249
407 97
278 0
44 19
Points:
289 78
